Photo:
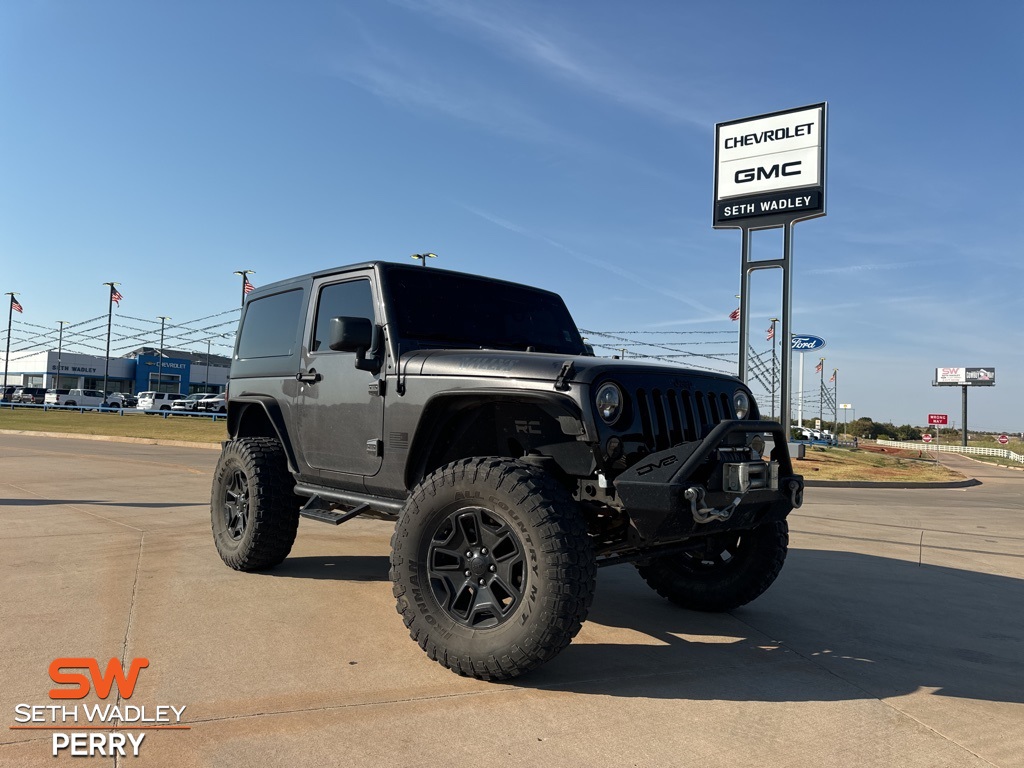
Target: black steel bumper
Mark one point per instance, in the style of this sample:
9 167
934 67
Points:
710 486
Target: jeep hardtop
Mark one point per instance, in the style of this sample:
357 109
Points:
513 461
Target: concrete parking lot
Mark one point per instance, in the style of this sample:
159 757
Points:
893 637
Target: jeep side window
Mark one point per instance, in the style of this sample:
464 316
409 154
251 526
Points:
353 298
269 326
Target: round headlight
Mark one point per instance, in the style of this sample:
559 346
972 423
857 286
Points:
609 402
741 403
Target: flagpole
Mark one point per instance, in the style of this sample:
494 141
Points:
835 400
7 354
821 390
60 348
106 362
774 364
244 273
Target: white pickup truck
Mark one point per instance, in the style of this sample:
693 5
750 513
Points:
90 398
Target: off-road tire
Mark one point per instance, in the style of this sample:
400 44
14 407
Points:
254 510
730 570
552 574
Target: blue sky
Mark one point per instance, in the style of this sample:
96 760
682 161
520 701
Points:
569 145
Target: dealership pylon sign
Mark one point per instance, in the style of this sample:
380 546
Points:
770 173
770 169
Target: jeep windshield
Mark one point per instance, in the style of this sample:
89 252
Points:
434 308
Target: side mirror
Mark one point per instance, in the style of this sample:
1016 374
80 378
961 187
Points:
350 334
355 334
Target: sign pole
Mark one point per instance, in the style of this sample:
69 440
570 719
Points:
963 440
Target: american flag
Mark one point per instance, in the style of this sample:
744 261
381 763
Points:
15 305
115 296
247 287
771 333
833 379
735 314
818 367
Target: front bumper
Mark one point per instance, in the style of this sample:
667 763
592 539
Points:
710 485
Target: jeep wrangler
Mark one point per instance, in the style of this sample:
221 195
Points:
514 461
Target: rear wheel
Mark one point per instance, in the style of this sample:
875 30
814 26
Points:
492 569
723 571
254 510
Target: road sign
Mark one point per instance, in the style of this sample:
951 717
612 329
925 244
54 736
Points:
1003 439
938 418
926 438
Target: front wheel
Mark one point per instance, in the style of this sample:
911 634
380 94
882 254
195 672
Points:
254 510
723 571
491 567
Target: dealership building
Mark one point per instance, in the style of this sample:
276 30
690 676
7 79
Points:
140 371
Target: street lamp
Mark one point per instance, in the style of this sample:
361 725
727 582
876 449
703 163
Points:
774 320
246 285
422 257
160 372
60 347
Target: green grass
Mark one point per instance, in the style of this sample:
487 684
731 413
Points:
192 429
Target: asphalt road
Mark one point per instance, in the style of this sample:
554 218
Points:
893 637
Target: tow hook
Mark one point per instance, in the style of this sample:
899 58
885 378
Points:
796 494
702 514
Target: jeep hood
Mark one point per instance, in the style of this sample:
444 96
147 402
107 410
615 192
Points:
491 364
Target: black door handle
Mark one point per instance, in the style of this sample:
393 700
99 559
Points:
309 378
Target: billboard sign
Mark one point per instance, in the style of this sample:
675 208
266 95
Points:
770 169
964 377
803 342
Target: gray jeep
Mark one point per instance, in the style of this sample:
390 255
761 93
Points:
514 462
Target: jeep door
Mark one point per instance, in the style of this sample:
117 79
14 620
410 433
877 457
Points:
340 421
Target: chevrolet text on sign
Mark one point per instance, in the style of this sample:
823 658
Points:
771 165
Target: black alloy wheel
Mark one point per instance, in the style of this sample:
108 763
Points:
477 568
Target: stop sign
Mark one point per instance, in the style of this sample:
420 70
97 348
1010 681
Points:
926 438
1003 439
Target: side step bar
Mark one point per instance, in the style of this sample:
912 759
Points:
322 502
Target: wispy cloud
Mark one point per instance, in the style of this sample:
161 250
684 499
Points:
854 268
557 54
610 267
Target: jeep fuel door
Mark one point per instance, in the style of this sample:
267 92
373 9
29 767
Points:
340 421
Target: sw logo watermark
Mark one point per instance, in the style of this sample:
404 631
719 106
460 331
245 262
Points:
96 730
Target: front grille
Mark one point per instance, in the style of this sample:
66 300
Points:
669 417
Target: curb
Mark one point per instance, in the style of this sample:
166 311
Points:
968 483
113 438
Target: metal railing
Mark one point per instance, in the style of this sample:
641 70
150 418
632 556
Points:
1003 453
117 411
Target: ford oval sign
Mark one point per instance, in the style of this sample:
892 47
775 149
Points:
802 342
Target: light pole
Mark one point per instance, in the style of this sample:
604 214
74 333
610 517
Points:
246 285
60 349
160 372
422 257
774 320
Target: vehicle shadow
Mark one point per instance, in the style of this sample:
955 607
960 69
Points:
835 626
335 567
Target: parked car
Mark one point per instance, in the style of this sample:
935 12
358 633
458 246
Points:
214 404
90 398
127 400
191 402
29 395
157 401
8 393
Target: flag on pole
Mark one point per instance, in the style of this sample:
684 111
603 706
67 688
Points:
771 333
833 379
735 314
115 296
15 305
818 367
247 287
